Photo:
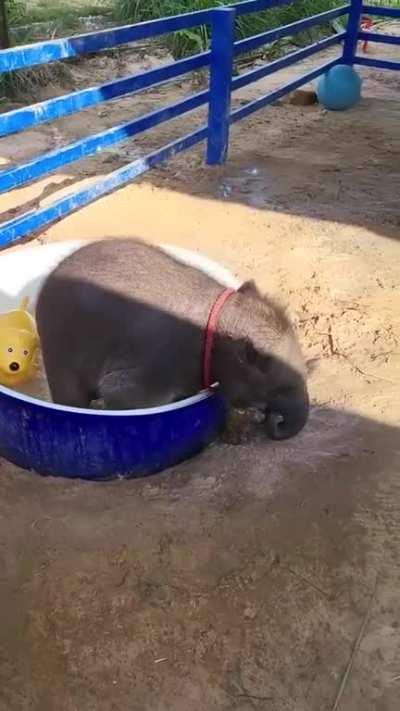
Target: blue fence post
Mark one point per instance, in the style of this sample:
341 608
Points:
222 53
353 28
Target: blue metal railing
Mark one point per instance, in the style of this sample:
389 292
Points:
220 61
374 10
22 119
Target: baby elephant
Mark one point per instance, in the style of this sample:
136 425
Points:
123 322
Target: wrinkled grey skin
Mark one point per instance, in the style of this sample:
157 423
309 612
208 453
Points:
123 322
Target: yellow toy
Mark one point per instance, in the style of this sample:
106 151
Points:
19 344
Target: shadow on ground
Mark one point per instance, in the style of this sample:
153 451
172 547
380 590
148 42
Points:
239 580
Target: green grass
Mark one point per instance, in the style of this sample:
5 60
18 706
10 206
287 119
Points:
62 10
64 14
198 39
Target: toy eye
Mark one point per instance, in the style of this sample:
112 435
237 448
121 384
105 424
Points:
26 353
10 350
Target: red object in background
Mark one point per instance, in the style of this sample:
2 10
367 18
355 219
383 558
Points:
366 24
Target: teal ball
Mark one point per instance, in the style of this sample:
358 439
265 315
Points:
340 88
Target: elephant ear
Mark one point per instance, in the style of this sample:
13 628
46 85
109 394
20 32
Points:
254 357
249 287
312 365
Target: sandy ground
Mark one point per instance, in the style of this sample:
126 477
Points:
258 576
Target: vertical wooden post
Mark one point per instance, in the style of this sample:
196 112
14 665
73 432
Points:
4 28
222 54
353 28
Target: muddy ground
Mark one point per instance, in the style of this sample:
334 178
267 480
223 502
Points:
257 577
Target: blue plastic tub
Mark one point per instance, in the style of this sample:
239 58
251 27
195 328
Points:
70 442
62 441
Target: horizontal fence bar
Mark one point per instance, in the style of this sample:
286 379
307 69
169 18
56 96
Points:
13 230
376 37
48 162
66 48
29 116
381 11
258 104
377 63
292 58
252 43
56 50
